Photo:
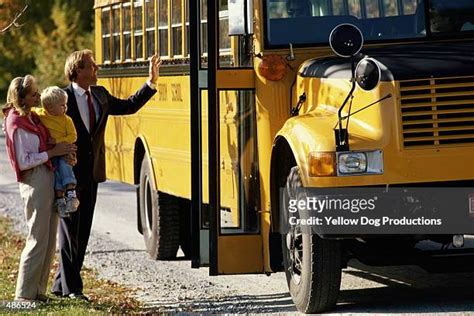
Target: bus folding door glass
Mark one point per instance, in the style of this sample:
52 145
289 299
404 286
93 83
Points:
163 27
204 220
116 33
127 28
105 20
225 52
186 8
203 39
238 160
138 30
150 27
177 27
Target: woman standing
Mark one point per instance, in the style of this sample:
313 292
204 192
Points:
29 152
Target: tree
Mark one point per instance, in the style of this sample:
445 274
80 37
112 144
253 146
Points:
53 46
14 22
51 29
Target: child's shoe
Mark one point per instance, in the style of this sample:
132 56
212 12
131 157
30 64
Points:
72 203
60 205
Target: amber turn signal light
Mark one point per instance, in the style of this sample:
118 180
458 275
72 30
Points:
322 164
273 67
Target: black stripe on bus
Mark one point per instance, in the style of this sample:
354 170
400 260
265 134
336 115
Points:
140 69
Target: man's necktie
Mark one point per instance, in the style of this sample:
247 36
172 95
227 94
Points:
91 112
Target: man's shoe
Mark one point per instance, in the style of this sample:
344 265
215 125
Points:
78 296
57 294
43 298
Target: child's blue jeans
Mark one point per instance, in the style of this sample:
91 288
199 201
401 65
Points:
63 174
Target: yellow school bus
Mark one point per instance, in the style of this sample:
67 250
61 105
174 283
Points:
254 97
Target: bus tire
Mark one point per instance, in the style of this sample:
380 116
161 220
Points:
312 265
159 216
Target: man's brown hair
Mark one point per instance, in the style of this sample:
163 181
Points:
74 62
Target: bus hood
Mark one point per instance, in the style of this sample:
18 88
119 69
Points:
402 62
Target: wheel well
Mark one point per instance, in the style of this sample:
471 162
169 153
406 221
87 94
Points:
281 163
138 154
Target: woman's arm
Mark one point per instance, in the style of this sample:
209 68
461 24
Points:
26 150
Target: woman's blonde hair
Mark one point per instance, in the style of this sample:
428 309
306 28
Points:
74 62
17 91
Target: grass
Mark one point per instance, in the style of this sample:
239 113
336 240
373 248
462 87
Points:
105 296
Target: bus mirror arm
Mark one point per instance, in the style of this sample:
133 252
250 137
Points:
296 109
341 134
388 96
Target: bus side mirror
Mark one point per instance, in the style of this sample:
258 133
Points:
346 40
240 17
368 74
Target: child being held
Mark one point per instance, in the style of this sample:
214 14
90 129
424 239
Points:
61 127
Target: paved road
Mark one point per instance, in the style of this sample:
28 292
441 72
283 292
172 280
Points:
117 250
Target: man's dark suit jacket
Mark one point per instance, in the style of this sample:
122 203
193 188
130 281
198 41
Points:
91 147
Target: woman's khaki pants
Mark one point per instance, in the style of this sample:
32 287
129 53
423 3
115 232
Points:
37 192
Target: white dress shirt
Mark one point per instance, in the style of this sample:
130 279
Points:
81 99
27 150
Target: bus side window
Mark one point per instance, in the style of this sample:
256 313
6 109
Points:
116 33
176 28
138 29
150 27
163 27
106 36
127 27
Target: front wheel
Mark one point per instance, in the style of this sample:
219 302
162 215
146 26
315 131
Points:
312 264
159 215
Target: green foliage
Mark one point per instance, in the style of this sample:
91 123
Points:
51 30
52 46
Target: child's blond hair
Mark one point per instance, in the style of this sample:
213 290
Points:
53 95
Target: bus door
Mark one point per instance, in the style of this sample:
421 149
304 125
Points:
225 189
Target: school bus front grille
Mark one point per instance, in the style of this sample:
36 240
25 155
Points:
437 112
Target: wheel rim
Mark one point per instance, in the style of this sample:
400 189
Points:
148 205
294 244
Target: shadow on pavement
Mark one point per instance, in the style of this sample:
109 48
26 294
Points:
269 303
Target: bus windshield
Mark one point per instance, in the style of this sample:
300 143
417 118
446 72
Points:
309 22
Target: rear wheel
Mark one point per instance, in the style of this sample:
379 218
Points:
159 215
312 264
